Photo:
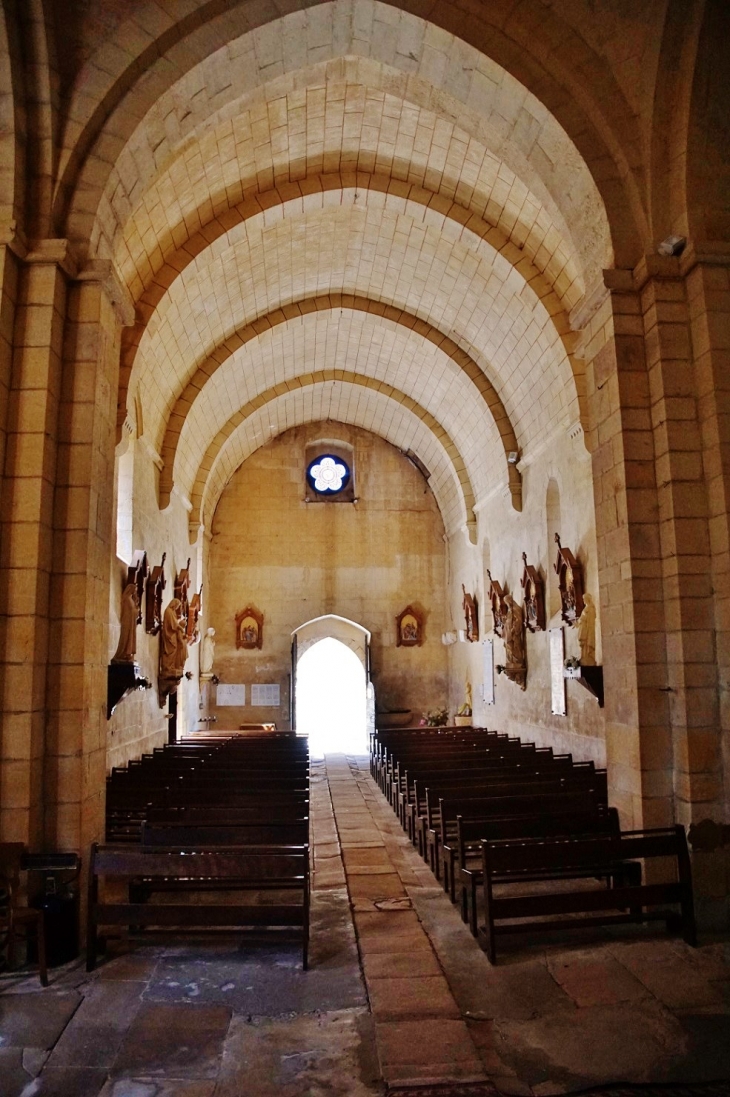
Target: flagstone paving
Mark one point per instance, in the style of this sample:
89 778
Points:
398 995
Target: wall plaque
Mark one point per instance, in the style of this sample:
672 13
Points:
488 668
230 695
266 695
557 679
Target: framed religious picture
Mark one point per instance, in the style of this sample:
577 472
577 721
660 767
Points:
570 580
496 600
409 628
153 600
534 592
471 616
249 628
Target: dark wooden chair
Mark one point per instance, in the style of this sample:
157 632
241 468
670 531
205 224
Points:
14 918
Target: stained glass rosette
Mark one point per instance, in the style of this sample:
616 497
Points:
328 474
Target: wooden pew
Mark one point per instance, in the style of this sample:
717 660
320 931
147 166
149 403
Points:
549 859
249 871
465 870
582 777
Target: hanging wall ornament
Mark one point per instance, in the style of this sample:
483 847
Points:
570 581
534 593
471 616
496 600
153 601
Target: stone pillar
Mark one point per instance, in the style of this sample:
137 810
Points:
638 741
26 534
84 541
708 756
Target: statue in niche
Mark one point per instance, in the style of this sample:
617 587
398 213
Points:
471 616
587 632
207 655
127 646
514 644
173 648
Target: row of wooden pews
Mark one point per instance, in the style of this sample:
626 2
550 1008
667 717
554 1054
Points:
524 839
206 834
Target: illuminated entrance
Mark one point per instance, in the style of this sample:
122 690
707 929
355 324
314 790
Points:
331 698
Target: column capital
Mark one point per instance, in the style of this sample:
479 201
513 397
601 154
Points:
103 273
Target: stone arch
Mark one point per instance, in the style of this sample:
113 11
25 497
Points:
350 633
469 225
572 81
385 418
461 359
12 125
197 514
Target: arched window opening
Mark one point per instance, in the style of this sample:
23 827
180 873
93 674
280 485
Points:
125 495
331 698
554 525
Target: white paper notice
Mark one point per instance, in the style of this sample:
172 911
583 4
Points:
557 678
265 696
488 678
230 695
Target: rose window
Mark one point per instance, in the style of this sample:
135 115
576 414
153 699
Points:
328 474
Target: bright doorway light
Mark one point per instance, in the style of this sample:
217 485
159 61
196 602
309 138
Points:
331 699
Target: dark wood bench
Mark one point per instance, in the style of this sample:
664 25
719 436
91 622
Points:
465 869
206 835
248 871
548 860
582 777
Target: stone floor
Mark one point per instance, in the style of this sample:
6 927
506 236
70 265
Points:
398 997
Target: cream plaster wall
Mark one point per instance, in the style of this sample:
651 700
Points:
503 536
296 561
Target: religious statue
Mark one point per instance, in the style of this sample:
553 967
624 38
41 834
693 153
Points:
514 644
173 648
587 632
207 655
470 616
127 646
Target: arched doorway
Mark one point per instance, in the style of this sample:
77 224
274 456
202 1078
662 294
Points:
332 695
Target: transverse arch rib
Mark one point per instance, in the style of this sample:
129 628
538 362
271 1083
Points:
318 377
286 313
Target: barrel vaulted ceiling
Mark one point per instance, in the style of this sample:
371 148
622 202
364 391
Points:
348 213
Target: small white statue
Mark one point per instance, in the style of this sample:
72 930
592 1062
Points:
587 632
207 655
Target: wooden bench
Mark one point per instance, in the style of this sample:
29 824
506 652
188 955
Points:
249 871
465 869
549 859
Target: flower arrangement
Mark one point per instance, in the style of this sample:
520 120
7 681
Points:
435 718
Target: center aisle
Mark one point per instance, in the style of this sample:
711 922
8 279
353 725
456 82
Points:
419 1031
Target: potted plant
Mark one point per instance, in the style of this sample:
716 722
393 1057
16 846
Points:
435 718
571 667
